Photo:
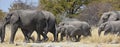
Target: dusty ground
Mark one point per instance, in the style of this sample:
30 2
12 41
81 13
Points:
94 41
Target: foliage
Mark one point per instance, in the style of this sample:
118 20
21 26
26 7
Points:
2 14
61 6
93 11
19 4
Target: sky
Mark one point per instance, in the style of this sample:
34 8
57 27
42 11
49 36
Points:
5 4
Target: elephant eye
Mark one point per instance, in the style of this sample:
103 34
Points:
117 19
104 18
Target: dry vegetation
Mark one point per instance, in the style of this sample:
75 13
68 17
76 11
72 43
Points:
94 41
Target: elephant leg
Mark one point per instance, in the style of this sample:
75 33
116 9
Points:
29 34
67 37
13 32
61 37
39 32
78 37
38 37
55 34
44 34
74 38
2 35
107 30
45 37
25 32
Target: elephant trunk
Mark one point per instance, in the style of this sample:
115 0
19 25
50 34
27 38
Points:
100 22
99 31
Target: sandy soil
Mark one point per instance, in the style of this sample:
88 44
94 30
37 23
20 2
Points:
58 44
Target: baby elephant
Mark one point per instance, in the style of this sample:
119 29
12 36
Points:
2 31
112 27
74 29
66 30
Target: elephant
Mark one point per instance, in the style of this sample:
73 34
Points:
28 21
66 30
109 16
2 31
112 27
51 24
74 28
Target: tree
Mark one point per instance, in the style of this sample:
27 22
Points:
93 11
19 4
85 10
62 6
2 14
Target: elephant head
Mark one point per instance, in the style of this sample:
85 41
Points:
101 28
109 16
87 32
104 18
60 29
11 17
7 18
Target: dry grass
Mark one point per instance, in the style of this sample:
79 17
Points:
101 39
93 41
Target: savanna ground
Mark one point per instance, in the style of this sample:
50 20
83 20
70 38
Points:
93 41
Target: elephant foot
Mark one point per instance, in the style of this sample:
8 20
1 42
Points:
77 40
27 41
55 41
74 40
11 42
45 40
38 41
61 39
1 41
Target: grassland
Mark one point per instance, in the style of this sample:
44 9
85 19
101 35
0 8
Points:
93 41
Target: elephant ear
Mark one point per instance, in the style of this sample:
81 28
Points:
107 16
8 16
113 17
14 18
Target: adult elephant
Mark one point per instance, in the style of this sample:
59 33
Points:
109 16
51 25
28 21
112 27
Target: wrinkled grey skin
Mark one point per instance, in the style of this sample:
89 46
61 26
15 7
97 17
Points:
69 19
109 16
66 30
80 28
112 27
51 24
2 31
28 21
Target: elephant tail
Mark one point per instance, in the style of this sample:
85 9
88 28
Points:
99 32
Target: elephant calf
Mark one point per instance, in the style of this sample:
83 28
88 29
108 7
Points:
73 29
112 27
66 30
